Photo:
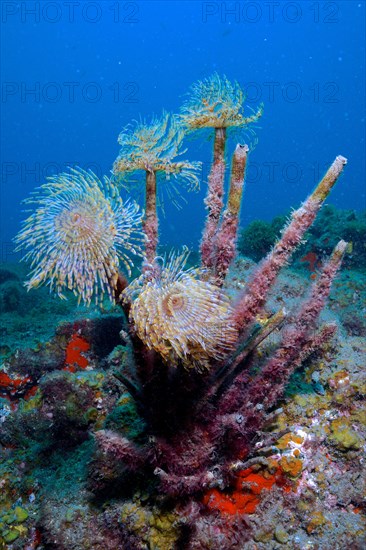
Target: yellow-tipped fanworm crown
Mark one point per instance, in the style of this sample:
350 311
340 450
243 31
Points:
79 234
216 103
155 147
179 315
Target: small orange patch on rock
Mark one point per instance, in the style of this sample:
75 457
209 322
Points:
74 349
13 386
312 259
30 393
284 441
245 497
236 503
291 466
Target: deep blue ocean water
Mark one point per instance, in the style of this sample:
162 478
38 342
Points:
75 73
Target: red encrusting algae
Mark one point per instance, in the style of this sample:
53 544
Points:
314 263
74 357
245 497
13 387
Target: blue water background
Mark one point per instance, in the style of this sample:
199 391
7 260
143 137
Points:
95 66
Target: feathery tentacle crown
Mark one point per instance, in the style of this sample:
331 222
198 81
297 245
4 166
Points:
180 316
216 103
79 234
155 147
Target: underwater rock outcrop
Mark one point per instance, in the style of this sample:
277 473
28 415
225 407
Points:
331 225
200 373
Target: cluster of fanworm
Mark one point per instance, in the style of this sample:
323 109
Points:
192 348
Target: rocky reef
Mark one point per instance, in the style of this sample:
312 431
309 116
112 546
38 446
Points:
332 224
215 406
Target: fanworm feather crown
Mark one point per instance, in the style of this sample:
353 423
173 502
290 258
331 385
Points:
154 147
216 103
79 234
179 315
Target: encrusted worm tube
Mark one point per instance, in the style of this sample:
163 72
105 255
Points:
254 297
226 239
150 223
269 384
213 200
